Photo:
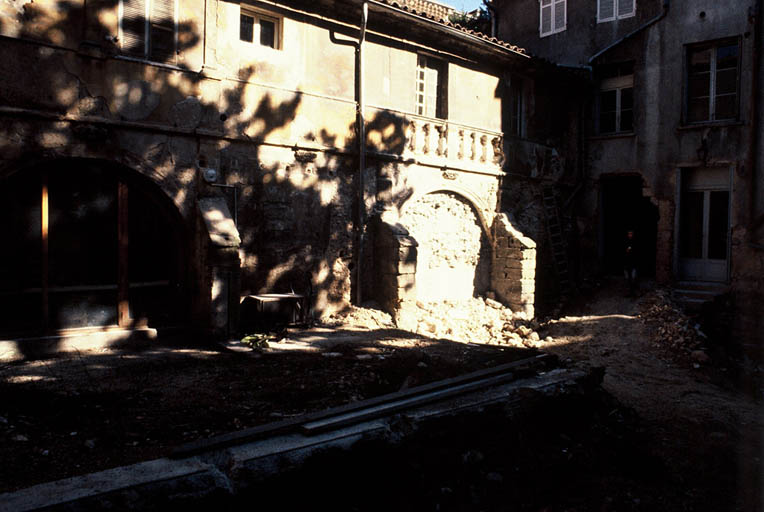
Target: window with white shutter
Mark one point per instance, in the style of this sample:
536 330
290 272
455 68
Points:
552 16
148 29
431 87
610 10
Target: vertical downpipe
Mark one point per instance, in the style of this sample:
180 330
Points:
753 116
361 149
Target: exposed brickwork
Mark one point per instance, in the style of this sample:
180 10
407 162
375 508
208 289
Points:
395 263
513 276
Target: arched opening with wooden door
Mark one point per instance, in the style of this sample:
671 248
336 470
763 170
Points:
88 244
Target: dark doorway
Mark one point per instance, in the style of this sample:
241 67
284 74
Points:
623 208
87 244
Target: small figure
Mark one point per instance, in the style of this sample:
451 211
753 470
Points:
630 262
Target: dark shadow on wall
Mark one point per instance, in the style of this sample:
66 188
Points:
295 212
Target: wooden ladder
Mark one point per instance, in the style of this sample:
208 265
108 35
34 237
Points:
556 239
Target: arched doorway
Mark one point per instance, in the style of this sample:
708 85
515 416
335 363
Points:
87 244
453 257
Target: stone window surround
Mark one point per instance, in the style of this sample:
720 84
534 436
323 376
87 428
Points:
616 13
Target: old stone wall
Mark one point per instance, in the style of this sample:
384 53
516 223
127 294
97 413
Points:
395 264
513 274
454 252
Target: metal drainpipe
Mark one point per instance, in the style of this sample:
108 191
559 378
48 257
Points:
754 119
666 6
494 17
361 149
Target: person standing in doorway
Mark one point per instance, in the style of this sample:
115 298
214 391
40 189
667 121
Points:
630 262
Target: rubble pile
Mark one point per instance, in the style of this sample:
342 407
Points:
476 320
673 328
364 317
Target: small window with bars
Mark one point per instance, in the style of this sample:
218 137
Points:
148 29
610 10
260 29
431 90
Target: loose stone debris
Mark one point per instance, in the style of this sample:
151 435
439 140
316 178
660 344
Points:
475 320
674 329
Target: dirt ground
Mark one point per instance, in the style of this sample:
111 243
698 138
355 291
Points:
699 433
696 415
84 412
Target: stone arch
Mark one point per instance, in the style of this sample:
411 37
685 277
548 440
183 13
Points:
479 206
173 187
454 252
97 244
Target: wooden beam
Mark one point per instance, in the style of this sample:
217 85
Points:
44 218
123 285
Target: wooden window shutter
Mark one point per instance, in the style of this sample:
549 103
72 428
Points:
625 7
546 17
559 15
162 31
606 10
134 27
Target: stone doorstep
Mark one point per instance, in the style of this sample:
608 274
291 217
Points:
222 473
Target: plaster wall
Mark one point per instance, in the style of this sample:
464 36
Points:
278 127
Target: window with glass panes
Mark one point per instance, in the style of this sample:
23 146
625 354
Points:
712 82
615 105
260 29
430 87
610 10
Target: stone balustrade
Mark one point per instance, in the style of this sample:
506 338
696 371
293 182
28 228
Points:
450 143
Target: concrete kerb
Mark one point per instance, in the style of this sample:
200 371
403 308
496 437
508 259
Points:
220 475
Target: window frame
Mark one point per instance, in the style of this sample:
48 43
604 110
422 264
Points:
712 45
258 15
441 88
617 83
147 24
616 11
553 6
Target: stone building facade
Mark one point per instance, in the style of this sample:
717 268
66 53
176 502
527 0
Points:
159 160
672 141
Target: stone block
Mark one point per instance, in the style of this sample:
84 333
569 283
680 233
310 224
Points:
407 254
405 281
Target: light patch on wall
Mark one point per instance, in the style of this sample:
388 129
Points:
67 95
328 192
386 86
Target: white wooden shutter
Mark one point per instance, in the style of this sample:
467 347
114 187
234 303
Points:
606 10
134 27
625 8
162 31
431 91
559 15
545 18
